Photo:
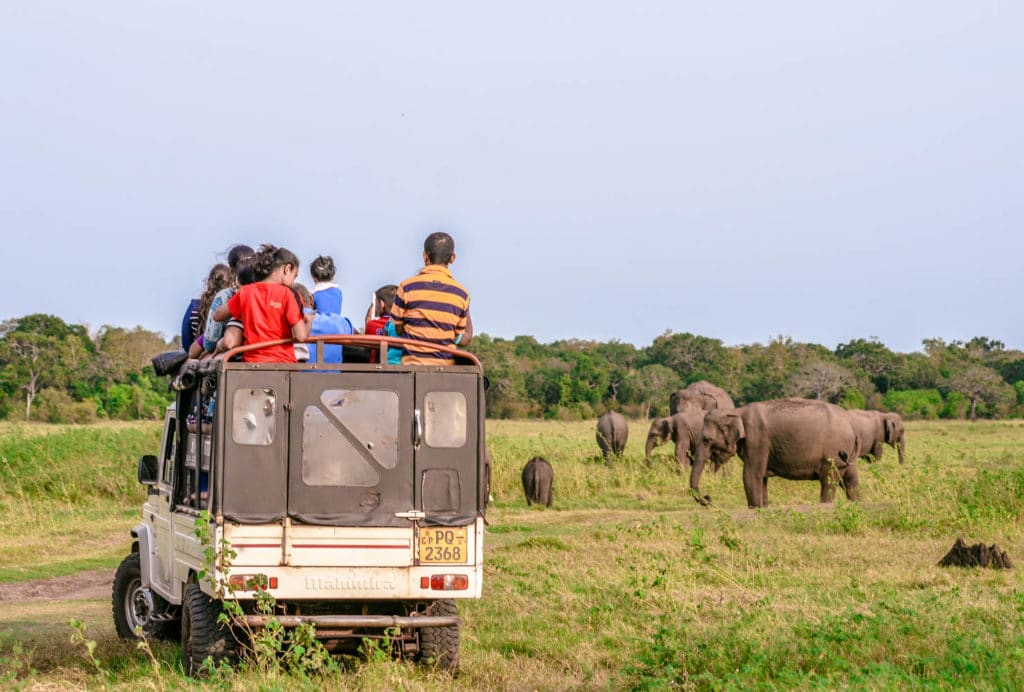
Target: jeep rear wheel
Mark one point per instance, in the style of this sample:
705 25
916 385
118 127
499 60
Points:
138 612
202 636
440 645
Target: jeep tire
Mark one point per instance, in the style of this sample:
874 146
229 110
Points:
440 645
136 607
202 636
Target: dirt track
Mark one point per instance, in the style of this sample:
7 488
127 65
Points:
84 585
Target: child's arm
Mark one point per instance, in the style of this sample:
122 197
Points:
300 330
222 313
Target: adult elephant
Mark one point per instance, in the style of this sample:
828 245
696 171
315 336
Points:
798 439
875 429
682 428
612 433
699 396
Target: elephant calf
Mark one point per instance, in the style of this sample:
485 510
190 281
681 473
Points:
612 433
683 429
537 477
874 429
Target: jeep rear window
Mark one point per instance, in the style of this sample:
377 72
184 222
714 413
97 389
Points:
347 444
445 419
254 417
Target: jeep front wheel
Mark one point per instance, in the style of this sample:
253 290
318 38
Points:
138 612
440 645
202 636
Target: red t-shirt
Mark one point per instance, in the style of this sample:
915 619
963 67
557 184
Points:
267 312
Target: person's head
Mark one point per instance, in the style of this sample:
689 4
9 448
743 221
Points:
439 248
305 297
219 278
244 274
322 268
237 253
275 265
385 296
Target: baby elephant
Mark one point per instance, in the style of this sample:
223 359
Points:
537 476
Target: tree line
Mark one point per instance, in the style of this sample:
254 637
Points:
58 372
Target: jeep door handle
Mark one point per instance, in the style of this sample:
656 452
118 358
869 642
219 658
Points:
417 418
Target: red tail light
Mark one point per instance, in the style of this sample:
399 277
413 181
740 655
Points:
448 582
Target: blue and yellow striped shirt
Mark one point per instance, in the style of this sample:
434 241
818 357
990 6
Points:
432 307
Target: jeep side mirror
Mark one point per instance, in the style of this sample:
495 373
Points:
148 469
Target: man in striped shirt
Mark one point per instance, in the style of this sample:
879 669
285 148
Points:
432 307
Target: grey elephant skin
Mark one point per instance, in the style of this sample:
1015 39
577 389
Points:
798 439
699 396
612 433
537 478
876 429
683 429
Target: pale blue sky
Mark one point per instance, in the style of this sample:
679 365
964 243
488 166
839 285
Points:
740 170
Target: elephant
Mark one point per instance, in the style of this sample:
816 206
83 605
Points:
612 432
682 428
537 477
875 428
699 396
798 439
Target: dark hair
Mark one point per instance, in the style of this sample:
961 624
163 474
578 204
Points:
269 258
302 295
219 278
439 248
387 294
322 268
244 274
237 253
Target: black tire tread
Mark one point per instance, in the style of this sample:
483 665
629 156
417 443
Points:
440 645
209 638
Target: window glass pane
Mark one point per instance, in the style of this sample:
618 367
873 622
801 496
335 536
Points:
328 458
445 419
254 417
371 416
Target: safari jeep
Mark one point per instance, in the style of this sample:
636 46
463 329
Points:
352 493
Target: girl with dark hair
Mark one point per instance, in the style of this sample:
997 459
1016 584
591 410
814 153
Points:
239 260
326 293
219 279
267 308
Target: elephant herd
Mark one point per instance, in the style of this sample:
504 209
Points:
796 439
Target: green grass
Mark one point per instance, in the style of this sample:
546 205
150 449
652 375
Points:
625 583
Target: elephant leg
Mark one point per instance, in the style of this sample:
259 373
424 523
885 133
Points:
754 481
682 460
764 491
851 482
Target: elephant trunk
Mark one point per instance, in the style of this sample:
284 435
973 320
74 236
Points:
901 444
652 442
700 457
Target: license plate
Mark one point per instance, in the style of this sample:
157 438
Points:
442 544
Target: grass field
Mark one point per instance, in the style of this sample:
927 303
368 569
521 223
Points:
625 583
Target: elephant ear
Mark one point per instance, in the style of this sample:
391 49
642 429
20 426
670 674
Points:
736 429
890 430
665 428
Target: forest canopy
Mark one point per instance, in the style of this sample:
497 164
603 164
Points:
58 372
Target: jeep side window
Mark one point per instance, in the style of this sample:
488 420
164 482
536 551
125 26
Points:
253 417
445 419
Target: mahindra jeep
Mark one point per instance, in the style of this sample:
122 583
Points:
353 494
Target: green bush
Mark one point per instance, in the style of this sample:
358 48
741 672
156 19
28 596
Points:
853 398
914 403
57 406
